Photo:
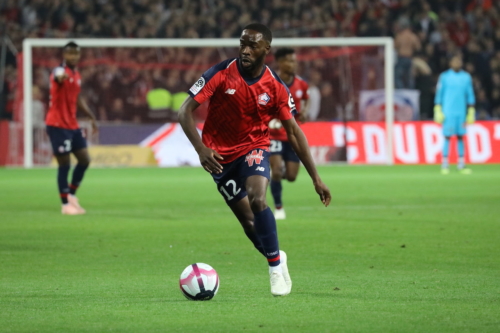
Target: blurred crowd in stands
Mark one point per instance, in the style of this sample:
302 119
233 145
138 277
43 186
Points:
426 32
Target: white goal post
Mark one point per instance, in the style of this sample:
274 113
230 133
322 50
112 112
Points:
29 43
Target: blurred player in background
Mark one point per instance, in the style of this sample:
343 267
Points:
281 149
454 107
63 129
244 96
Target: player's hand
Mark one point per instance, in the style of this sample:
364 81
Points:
324 193
95 129
208 159
438 114
302 117
471 115
61 78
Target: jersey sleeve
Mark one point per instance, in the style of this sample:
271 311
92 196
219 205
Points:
206 85
471 98
439 90
286 105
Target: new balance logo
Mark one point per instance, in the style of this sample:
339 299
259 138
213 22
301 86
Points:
254 156
260 169
230 91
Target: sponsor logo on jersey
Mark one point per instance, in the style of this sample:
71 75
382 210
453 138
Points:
260 169
254 156
263 99
230 91
198 85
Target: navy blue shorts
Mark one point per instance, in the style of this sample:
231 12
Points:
284 148
231 182
65 141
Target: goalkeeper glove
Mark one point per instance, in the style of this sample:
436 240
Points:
471 115
438 114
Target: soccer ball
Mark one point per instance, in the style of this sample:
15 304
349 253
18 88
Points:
199 282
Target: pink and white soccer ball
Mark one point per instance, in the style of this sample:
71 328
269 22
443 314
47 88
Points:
199 282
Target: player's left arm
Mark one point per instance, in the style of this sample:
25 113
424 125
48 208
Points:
305 109
471 101
82 105
299 144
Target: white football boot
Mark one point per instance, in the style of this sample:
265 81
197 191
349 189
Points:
284 268
279 214
278 284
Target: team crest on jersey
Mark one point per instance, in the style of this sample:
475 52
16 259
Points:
264 99
254 156
299 93
198 85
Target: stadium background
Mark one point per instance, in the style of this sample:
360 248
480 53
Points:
400 249
128 87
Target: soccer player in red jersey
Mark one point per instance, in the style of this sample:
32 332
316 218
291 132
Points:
281 149
63 129
244 96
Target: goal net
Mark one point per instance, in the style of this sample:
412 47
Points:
134 86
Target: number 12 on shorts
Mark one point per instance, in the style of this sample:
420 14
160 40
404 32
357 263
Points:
234 189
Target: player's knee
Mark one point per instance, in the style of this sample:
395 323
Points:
276 173
258 203
84 160
291 178
63 160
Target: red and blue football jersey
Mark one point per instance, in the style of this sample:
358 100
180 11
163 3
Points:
63 100
299 90
240 108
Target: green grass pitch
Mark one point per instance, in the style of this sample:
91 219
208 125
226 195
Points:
400 249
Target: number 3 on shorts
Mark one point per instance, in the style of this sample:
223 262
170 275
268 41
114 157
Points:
276 146
67 145
234 190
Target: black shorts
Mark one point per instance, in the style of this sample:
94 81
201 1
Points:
231 182
65 141
284 148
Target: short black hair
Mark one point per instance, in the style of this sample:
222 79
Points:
264 30
71 45
283 52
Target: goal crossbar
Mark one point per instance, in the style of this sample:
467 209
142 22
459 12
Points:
29 43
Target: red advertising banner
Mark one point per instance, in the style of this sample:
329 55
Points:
417 142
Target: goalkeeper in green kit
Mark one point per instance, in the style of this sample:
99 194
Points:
454 108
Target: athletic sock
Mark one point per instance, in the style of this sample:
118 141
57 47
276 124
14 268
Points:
62 182
276 189
265 228
255 240
461 153
78 173
461 162
445 163
446 149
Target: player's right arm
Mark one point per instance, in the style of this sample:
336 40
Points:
202 90
208 157
438 109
